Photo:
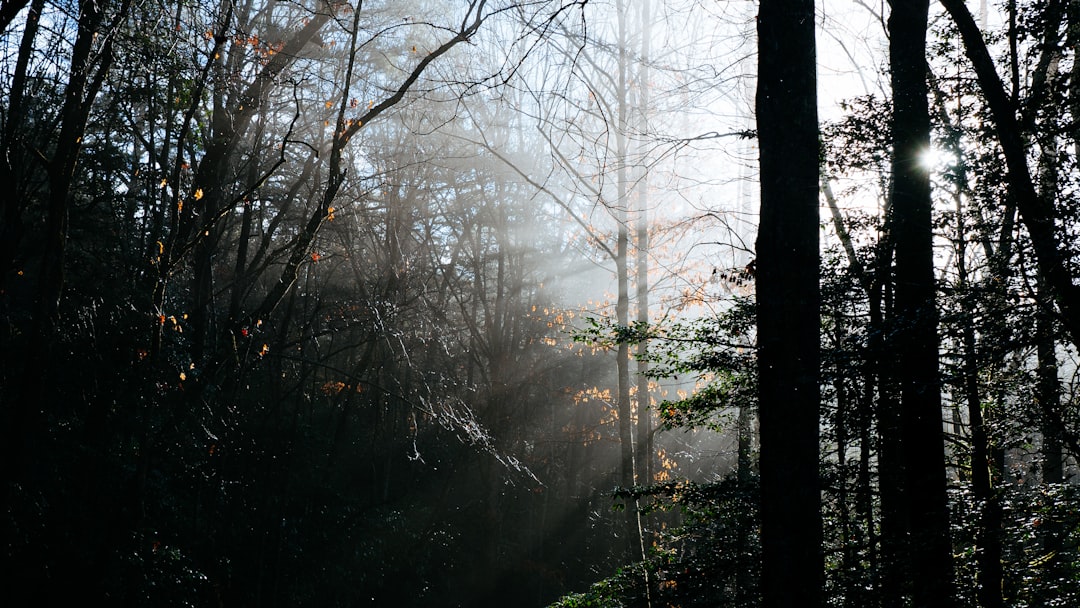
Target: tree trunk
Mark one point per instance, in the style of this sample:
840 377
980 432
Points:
622 305
1072 40
1048 394
1049 397
849 566
788 302
988 535
915 327
88 71
12 167
641 264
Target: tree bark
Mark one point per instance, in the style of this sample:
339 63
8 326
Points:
788 303
622 305
915 327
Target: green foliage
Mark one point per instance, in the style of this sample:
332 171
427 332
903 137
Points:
1040 533
710 559
715 354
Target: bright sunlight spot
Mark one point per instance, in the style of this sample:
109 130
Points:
936 158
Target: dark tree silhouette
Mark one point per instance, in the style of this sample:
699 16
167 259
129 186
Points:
788 302
915 326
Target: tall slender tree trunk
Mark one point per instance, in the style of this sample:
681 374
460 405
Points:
788 303
744 474
13 365
11 165
887 562
1072 41
915 328
840 425
641 265
894 579
89 67
988 535
1048 394
643 458
622 305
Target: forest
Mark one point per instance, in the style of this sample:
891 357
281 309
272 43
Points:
540 303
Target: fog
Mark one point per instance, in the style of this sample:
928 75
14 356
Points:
401 303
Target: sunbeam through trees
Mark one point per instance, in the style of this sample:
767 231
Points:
569 303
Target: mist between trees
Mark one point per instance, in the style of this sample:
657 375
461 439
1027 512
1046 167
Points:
540 302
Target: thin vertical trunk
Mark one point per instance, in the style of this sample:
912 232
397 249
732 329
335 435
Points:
916 341
643 459
895 579
15 412
622 306
864 491
165 251
1049 396
988 535
11 206
1072 41
788 306
87 74
1048 393
848 543
875 383
213 182
239 278
744 474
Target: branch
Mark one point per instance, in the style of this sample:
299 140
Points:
1037 212
464 34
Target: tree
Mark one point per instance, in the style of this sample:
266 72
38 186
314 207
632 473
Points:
256 378
9 9
788 305
915 338
1036 210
